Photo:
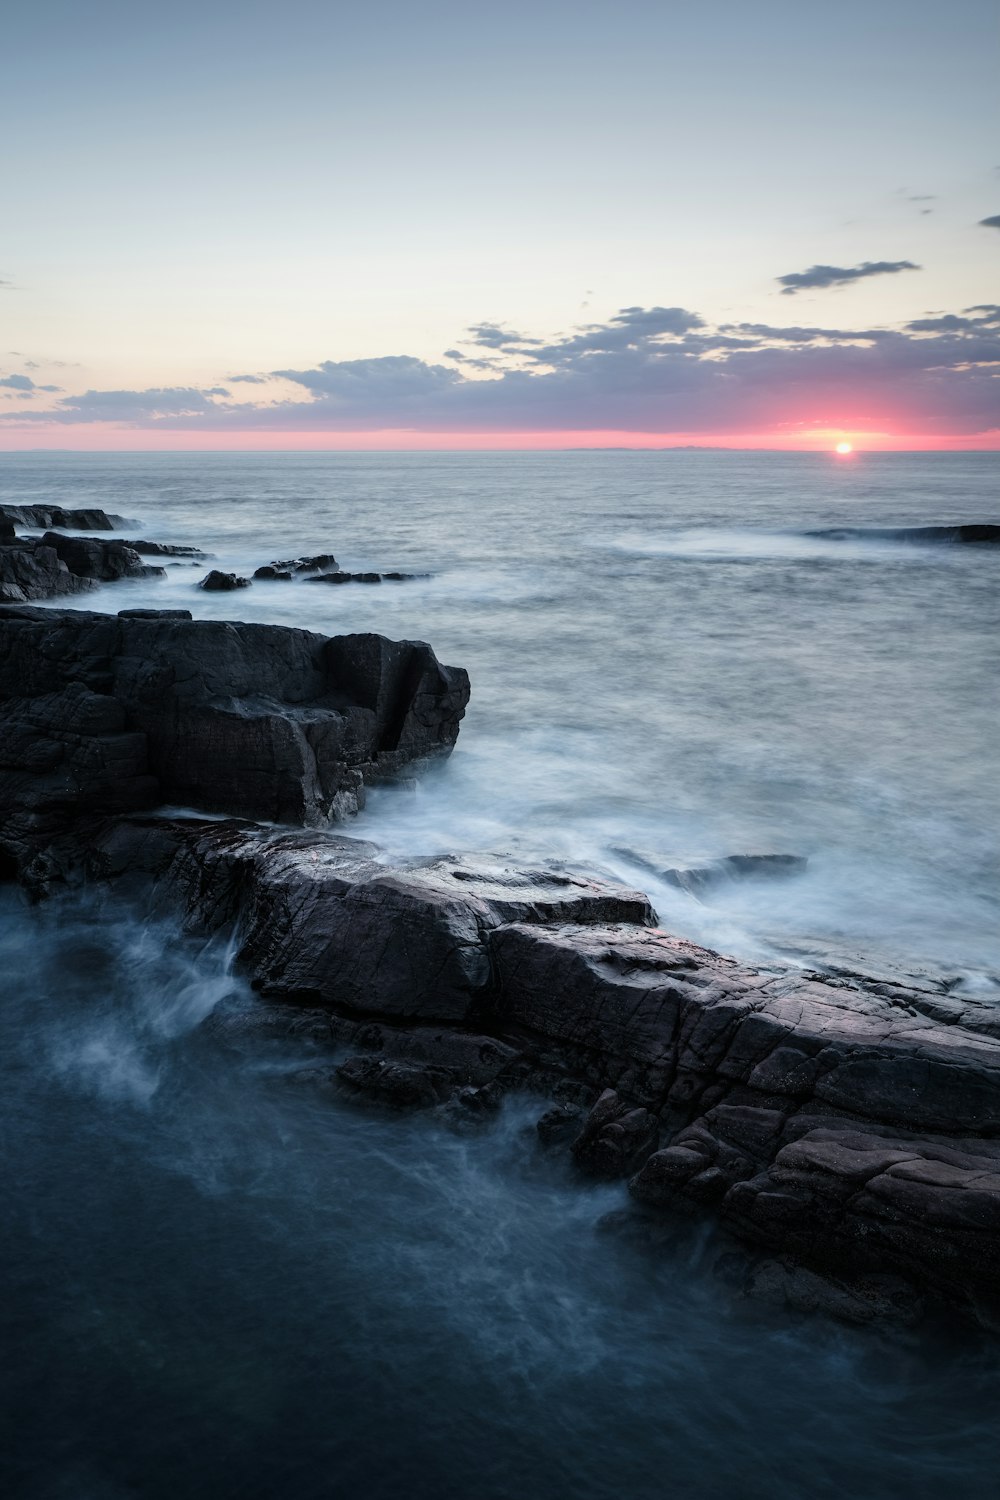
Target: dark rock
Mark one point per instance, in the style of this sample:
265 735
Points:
560 1125
103 561
54 565
346 578
108 714
399 1084
166 549
154 614
220 582
288 566
616 1137
55 515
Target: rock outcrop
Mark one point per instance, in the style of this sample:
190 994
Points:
120 713
700 877
849 1126
34 568
847 1129
88 519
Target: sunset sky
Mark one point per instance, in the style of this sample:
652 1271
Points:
530 224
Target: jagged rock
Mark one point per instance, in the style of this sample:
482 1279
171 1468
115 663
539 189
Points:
54 565
104 561
55 515
108 714
217 582
166 549
700 877
616 1137
288 566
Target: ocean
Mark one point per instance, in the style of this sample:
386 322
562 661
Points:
217 1285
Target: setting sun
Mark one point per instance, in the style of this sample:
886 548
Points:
844 448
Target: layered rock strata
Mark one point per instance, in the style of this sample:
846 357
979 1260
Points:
854 1127
117 713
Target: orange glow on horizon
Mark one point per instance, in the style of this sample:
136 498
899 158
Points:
106 437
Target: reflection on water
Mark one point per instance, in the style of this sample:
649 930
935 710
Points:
222 1285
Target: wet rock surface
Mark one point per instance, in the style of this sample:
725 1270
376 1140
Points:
292 566
119 713
847 1127
47 567
699 877
218 582
87 519
341 577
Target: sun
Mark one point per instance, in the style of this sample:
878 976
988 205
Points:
844 449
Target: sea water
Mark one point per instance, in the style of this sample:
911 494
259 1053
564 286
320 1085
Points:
217 1283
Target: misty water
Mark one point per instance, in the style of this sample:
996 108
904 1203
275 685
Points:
218 1283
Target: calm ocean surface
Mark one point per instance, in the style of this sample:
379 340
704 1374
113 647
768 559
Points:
218 1286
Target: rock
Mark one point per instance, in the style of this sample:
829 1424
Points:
401 1085
700 877
166 549
102 714
286 568
364 577
54 565
221 582
71 520
560 1125
103 561
616 1137
327 922
861 1299
346 578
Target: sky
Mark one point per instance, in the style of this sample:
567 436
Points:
546 224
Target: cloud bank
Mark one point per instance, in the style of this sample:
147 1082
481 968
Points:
650 370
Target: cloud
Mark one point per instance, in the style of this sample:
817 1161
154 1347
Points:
993 222
18 383
247 379
656 369
822 276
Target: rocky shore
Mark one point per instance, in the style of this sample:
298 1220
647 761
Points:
844 1131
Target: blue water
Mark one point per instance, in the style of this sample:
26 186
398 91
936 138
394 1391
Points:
219 1284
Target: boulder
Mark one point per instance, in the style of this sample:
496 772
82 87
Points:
217 582
339 577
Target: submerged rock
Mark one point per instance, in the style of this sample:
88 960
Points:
968 532
700 877
287 567
363 577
